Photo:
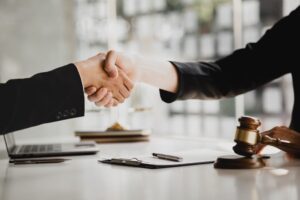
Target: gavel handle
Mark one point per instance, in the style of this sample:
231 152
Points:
284 145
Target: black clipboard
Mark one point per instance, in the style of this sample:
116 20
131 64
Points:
137 163
191 157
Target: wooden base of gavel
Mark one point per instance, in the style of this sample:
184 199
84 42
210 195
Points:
247 137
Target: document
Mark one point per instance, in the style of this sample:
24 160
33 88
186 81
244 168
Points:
191 157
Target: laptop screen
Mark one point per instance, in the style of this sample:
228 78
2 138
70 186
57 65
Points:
9 142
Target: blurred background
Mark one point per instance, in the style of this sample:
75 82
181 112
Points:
38 36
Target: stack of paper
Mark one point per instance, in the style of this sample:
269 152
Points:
114 136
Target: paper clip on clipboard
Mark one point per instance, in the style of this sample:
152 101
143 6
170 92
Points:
134 162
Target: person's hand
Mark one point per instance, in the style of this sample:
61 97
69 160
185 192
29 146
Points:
115 64
94 78
282 133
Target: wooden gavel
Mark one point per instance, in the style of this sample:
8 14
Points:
247 137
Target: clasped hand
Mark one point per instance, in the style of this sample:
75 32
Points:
104 83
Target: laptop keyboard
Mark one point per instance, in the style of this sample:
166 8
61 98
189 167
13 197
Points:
44 148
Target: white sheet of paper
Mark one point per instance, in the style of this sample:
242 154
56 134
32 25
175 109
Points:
190 156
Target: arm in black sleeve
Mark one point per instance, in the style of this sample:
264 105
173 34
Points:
245 69
45 97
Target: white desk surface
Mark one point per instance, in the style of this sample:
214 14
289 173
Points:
83 178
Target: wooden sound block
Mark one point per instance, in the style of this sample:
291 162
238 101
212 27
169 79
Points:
239 162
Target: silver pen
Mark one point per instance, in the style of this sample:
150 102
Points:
167 157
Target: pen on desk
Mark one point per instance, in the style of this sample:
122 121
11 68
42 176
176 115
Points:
37 161
167 157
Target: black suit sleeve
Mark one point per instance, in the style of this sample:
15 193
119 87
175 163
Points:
245 69
45 97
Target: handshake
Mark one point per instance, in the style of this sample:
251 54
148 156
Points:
108 78
105 79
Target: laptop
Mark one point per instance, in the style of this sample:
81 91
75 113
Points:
45 150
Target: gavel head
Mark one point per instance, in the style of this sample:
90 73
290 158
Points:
247 136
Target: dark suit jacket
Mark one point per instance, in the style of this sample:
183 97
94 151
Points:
275 54
45 97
